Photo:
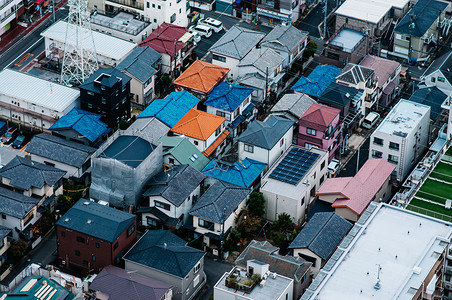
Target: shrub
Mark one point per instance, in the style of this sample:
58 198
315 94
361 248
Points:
256 206
18 249
284 223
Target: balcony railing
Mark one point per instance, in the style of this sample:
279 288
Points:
5 4
129 3
7 16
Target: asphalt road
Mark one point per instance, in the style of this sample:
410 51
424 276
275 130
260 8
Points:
214 270
312 21
350 168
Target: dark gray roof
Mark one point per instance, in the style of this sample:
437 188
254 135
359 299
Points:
289 266
4 231
337 93
175 184
115 76
443 64
267 133
237 42
166 252
431 96
221 198
119 284
16 204
60 150
284 38
24 173
96 220
423 14
322 234
140 63
353 73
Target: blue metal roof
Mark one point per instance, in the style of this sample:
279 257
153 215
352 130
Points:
227 96
319 79
85 123
171 109
237 121
240 173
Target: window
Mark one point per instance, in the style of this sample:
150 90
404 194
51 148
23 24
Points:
312 193
147 4
116 245
159 204
97 245
310 131
281 143
441 79
153 6
94 258
155 20
150 221
302 201
205 224
433 79
218 131
219 58
77 253
394 146
196 143
3 216
294 4
90 93
131 230
378 141
159 7
322 165
221 113
197 267
322 179
80 239
196 281
393 158
173 18
63 234
90 105
171 161
248 148
377 154
104 101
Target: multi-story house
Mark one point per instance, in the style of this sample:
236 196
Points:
91 236
107 92
401 138
320 127
178 150
438 73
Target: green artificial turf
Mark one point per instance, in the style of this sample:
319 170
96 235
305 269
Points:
433 198
437 188
444 168
431 206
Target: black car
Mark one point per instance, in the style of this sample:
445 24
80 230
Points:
19 142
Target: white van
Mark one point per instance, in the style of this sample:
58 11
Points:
202 30
370 120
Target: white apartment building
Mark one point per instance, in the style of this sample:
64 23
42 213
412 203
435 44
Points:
9 10
154 11
402 136
34 101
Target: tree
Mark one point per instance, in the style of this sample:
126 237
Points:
284 223
123 125
256 206
248 224
310 50
18 249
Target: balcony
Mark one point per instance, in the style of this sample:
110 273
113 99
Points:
5 4
7 16
129 3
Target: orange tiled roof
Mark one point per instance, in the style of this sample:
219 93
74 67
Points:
198 124
216 143
201 76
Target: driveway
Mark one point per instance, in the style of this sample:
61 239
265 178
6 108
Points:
214 269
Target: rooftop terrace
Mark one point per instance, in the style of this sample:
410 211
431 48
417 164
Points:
122 22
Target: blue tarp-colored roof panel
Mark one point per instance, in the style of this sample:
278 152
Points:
170 109
228 96
319 79
87 124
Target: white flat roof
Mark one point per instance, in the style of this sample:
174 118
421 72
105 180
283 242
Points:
347 39
106 45
369 10
403 118
22 86
404 244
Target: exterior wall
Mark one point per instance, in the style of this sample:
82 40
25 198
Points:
318 261
90 255
347 214
335 55
355 23
8 13
293 54
5 247
445 86
203 145
230 63
71 172
180 285
138 90
71 135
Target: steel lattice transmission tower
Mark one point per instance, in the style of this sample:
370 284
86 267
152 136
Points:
80 59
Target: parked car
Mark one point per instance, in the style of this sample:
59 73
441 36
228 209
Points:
19 142
202 30
333 167
3 127
196 37
216 25
370 120
10 135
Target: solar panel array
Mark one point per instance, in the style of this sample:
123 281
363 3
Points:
294 166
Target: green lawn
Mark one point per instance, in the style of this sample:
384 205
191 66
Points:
444 168
433 198
430 206
437 188
428 213
449 151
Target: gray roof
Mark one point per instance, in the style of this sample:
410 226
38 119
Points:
96 220
16 204
60 150
322 234
443 64
24 173
295 104
254 80
140 63
4 231
353 73
237 42
284 38
166 252
262 58
221 198
175 184
289 266
119 284
266 134
150 128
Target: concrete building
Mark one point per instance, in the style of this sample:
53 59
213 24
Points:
38 103
402 137
272 285
155 12
290 185
390 253
122 25
110 50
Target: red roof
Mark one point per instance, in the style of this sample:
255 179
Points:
355 193
162 39
319 116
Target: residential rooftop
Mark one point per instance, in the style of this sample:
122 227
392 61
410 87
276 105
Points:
122 22
371 11
37 287
347 39
403 118
317 81
295 104
162 38
399 246
183 151
384 68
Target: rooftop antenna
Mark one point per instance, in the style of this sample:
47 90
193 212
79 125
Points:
377 285
80 58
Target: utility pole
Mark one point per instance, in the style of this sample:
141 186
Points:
325 12
53 10
357 160
409 46
222 234
266 84
175 59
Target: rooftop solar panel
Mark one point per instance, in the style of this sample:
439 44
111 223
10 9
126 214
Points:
294 165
